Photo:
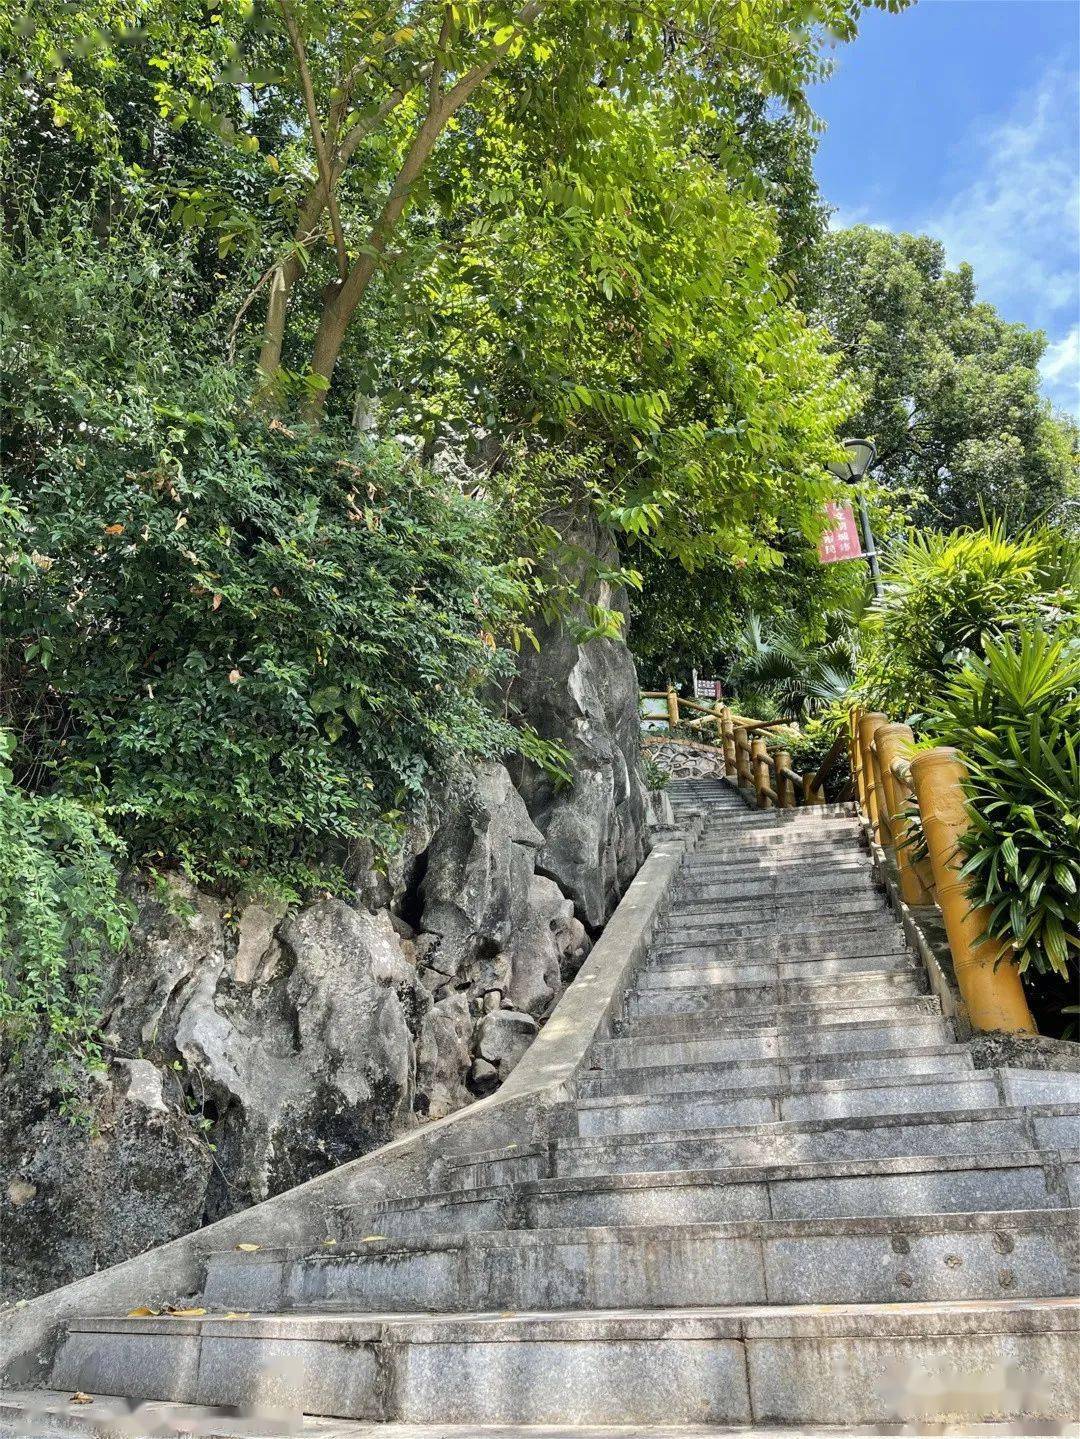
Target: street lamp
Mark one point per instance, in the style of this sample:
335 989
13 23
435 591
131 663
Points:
860 455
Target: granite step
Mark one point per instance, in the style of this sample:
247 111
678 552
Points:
809 970
835 884
822 1099
765 997
815 943
784 915
845 1364
865 1260
51 1414
637 1051
784 1017
850 1188
948 1059
998 1128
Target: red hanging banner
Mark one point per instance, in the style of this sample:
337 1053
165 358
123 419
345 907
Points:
841 542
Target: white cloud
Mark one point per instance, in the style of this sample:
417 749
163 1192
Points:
843 219
1061 371
1018 221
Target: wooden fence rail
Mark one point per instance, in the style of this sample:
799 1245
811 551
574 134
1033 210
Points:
901 790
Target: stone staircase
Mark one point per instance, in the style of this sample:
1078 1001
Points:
782 1196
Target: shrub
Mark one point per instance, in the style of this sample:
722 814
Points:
59 907
246 648
1015 716
943 593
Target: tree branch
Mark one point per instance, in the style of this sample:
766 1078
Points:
325 173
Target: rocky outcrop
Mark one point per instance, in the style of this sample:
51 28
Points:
585 696
248 1051
93 1169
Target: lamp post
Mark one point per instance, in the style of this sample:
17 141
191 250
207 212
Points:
861 454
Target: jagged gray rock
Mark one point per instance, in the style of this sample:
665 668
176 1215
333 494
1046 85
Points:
504 1036
502 927
585 696
93 1175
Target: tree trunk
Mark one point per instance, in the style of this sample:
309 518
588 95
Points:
281 287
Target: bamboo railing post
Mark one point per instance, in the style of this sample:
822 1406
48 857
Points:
742 756
672 706
884 828
785 788
759 760
810 794
727 737
988 979
896 742
868 723
857 777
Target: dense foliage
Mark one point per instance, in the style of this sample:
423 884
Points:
248 647
59 906
944 593
1014 713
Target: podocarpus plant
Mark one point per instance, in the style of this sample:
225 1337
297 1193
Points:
1015 716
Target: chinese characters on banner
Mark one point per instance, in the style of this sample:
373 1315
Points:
842 541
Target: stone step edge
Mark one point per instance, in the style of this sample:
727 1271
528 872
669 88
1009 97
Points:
733 975
691 954
903 961
774 910
1048 1160
720 1067
1062 1220
927 1006
34 1409
721 1321
857 1085
1017 1113
888 979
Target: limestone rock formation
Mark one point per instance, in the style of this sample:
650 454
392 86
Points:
250 1050
93 1173
585 695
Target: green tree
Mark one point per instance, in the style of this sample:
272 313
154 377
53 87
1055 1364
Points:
950 389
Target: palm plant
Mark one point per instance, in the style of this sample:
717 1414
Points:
944 593
799 677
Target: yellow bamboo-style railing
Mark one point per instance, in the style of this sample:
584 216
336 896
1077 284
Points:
768 774
897 787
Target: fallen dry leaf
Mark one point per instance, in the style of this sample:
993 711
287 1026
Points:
114 529
183 1313
371 1238
248 1248
234 677
329 1243
216 602
141 1313
231 1315
80 1398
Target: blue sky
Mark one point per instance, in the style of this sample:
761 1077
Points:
961 119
